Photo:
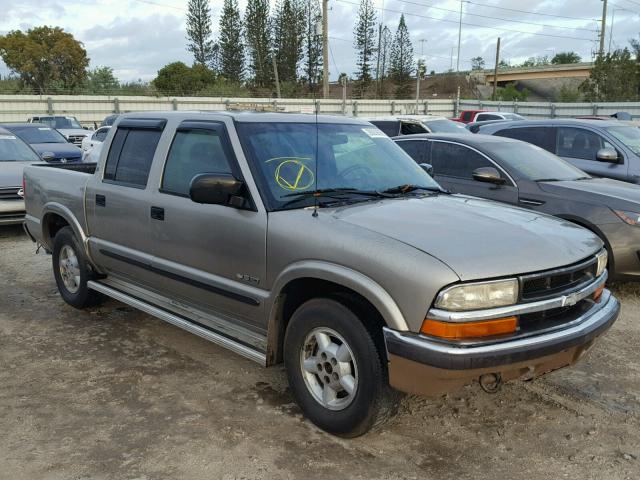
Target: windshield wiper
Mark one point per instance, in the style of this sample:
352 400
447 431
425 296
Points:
335 193
583 178
547 180
406 188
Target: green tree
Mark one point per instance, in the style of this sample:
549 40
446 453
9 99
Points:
312 43
535 62
288 29
562 58
402 60
568 94
102 80
230 41
364 43
199 31
178 79
477 63
258 38
614 77
45 56
510 93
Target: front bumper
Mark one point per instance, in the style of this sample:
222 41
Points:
11 212
421 365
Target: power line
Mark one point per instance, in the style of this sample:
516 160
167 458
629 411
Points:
497 18
473 24
157 4
530 12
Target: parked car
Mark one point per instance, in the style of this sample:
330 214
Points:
96 138
600 148
318 242
14 156
522 174
109 120
67 125
435 124
46 141
470 116
393 126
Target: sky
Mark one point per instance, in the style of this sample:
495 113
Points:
137 37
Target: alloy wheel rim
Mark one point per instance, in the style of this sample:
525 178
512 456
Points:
69 269
329 368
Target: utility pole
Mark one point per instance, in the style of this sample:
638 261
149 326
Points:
613 16
603 27
460 37
419 72
275 75
325 49
495 71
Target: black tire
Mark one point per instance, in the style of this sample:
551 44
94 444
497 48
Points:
372 400
83 297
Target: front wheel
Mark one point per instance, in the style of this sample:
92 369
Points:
71 270
335 369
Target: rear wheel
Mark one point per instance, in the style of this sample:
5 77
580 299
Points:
71 270
336 370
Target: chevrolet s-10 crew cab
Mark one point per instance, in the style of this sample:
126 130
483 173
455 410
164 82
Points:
317 242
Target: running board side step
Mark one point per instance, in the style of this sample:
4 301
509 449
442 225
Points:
218 339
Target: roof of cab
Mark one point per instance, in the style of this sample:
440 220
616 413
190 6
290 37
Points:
250 116
557 121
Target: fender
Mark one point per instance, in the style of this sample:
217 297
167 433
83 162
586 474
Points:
593 228
346 277
74 223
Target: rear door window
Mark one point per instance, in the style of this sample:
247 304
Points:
454 160
543 137
130 156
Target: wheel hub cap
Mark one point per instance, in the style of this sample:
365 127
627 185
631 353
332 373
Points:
329 368
69 269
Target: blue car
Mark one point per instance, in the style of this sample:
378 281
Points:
47 142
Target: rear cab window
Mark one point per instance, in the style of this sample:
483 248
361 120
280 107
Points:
131 152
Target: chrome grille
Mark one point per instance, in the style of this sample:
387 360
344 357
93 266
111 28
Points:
77 139
10 193
538 286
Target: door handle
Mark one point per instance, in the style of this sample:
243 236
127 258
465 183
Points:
101 201
157 213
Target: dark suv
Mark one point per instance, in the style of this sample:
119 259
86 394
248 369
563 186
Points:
600 147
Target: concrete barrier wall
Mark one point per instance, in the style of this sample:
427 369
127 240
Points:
89 109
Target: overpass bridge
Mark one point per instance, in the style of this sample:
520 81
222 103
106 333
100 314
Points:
508 75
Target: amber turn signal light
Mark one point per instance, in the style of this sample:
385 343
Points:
597 295
458 331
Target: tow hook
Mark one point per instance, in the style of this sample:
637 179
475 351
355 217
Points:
490 382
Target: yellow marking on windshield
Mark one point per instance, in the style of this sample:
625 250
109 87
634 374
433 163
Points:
293 175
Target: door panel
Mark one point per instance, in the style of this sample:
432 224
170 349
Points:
213 256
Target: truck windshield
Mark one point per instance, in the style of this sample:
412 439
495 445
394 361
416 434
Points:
39 135
60 122
532 162
628 135
292 158
12 149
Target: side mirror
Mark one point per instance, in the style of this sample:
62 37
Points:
214 188
488 175
607 155
48 156
427 167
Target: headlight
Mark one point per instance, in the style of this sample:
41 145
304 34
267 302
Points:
475 296
632 218
602 257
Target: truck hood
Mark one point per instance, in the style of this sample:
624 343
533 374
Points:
60 150
612 193
73 131
11 173
476 238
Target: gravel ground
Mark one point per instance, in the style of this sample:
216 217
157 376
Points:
111 393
